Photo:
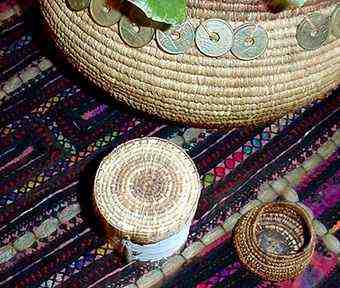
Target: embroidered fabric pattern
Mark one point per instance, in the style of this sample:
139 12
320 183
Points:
54 131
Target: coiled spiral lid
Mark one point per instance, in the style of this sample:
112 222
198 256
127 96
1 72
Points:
147 190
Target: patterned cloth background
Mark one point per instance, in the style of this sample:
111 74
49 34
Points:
54 130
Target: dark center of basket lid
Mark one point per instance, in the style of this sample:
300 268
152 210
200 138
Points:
148 185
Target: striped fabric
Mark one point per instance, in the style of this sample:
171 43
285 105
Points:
54 130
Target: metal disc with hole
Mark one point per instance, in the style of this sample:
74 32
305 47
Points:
134 35
335 22
313 31
250 42
103 13
214 37
78 5
177 39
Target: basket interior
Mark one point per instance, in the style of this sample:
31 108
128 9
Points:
281 232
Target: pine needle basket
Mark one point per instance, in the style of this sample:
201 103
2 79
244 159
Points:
195 89
147 190
275 240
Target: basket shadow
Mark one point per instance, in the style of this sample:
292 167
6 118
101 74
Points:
85 196
88 208
42 39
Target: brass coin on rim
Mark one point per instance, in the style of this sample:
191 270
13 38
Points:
103 14
214 37
313 31
335 22
78 5
133 34
250 42
177 39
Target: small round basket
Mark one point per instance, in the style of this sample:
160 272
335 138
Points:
275 241
147 191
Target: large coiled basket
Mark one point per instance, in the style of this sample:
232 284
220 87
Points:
193 88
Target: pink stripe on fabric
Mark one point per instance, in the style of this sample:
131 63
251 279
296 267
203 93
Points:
23 155
94 112
220 276
7 5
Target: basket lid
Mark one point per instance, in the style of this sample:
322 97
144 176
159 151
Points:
147 189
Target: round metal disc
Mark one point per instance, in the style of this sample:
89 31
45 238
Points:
297 3
104 14
177 39
214 37
313 31
78 5
250 42
335 22
134 35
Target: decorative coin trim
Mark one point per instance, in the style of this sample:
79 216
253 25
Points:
250 42
313 31
214 37
335 22
177 39
134 35
103 14
243 48
78 5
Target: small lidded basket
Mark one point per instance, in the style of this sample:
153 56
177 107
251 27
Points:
147 190
275 240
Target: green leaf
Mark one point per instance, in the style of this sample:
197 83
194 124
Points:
167 11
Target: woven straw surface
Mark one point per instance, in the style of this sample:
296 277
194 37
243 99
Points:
274 261
147 189
194 88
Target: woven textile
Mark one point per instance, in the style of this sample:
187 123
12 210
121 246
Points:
55 129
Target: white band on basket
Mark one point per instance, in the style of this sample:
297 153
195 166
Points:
159 250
